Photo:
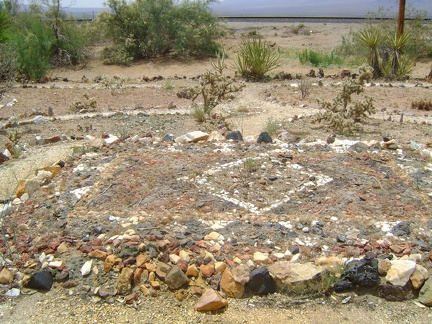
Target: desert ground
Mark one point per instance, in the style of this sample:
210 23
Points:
144 183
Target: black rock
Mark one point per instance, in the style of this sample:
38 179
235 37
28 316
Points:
362 273
343 286
401 229
264 137
341 238
152 250
128 251
235 136
261 282
392 293
168 138
41 280
295 250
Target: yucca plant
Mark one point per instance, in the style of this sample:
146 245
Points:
397 44
255 59
372 38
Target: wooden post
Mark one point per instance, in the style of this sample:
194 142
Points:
401 18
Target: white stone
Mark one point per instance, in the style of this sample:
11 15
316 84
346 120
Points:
7 153
86 268
111 139
14 292
55 264
400 272
192 137
174 258
38 120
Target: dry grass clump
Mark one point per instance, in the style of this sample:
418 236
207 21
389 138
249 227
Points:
422 104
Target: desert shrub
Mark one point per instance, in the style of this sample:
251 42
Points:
116 56
319 59
343 115
5 23
255 59
295 29
32 40
250 165
88 104
272 125
149 28
422 104
305 88
8 67
214 86
45 38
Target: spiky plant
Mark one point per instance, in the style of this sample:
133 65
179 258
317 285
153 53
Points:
255 59
372 37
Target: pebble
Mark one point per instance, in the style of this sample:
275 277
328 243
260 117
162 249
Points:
86 268
210 300
6 276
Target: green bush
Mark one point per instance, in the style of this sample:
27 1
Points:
318 59
255 59
149 28
5 24
32 40
344 115
44 39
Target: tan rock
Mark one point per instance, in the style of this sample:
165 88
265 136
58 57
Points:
220 267
109 262
54 169
124 281
419 276
26 186
192 271
141 260
150 267
210 300
98 254
207 270
145 291
229 286
155 284
63 247
6 276
262 258
212 236
184 255
384 265
331 263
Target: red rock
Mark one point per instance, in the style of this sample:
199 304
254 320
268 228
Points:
210 300
96 242
52 139
85 248
182 264
230 262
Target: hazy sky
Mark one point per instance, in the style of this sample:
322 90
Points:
287 7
